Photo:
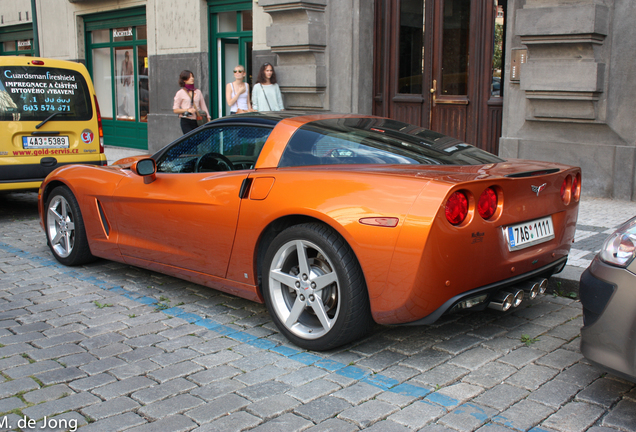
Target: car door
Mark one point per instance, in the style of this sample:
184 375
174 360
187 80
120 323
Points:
187 217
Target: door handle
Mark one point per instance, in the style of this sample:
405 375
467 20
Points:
434 91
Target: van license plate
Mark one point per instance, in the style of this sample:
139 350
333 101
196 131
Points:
29 142
526 234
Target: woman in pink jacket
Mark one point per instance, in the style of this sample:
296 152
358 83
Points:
188 101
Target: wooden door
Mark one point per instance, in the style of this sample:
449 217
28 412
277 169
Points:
402 60
434 67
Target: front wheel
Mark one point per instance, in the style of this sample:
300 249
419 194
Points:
65 231
314 288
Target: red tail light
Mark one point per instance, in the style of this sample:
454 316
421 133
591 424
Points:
576 187
100 129
456 208
566 190
487 203
37 62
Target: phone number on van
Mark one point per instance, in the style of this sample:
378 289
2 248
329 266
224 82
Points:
45 142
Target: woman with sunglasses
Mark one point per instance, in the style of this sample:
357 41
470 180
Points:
266 95
237 93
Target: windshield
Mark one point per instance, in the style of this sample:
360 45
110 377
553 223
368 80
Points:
31 93
377 141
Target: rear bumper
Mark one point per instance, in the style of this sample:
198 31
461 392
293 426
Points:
490 290
608 335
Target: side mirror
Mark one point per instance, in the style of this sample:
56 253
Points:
147 168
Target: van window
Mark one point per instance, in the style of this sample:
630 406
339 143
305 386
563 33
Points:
30 93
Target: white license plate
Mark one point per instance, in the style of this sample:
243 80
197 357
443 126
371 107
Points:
530 233
29 142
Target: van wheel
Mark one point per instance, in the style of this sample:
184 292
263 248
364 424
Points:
65 231
314 288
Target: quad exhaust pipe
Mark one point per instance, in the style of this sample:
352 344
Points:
534 287
513 296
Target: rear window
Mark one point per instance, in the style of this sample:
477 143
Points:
29 93
377 141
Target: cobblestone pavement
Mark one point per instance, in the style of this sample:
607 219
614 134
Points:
111 347
598 218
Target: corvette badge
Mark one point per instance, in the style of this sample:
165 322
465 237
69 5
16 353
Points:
538 189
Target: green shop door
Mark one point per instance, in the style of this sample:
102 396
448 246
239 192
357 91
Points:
231 37
117 58
233 52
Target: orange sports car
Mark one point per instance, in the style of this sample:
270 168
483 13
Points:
334 221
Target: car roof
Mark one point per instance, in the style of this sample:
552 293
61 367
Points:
45 62
274 117
266 118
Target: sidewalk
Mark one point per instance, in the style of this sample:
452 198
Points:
115 153
598 218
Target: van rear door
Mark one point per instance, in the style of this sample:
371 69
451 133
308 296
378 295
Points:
47 111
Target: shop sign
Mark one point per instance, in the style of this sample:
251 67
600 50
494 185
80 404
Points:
120 34
24 44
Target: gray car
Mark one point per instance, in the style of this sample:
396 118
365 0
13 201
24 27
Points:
608 294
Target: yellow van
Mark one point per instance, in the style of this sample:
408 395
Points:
49 117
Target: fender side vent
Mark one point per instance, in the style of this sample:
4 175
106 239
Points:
245 188
103 218
534 173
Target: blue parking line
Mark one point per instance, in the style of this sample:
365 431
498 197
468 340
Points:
504 421
443 400
473 410
306 358
356 373
330 365
285 351
381 381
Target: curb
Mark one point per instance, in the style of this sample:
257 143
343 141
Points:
566 282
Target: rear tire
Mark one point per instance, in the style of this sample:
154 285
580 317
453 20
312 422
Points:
314 288
64 227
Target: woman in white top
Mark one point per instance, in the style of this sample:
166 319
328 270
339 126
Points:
237 93
266 95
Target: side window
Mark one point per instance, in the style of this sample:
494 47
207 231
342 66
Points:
222 148
317 147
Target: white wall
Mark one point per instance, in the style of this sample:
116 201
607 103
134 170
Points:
261 21
10 10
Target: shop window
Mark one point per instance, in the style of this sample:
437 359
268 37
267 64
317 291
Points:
411 60
227 22
120 72
124 88
143 95
141 32
102 80
455 47
498 58
17 40
100 36
21 47
246 20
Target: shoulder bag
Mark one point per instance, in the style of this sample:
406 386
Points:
202 116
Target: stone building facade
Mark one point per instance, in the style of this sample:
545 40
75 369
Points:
564 92
576 96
